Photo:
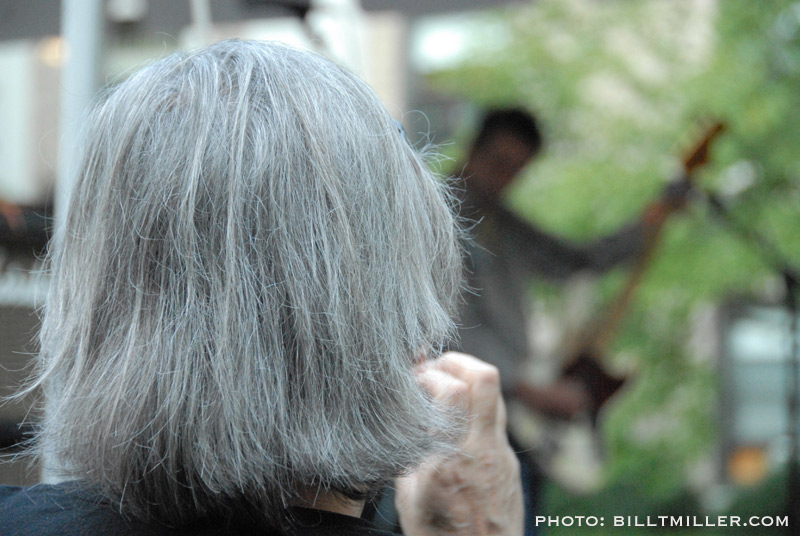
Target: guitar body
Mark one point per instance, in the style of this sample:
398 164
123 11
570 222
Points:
600 385
570 452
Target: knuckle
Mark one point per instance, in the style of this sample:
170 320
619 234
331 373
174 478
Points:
488 377
456 392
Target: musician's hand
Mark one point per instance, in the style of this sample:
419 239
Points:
673 198
676 194
478 490
563 399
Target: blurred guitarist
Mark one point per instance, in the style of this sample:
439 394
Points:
507 253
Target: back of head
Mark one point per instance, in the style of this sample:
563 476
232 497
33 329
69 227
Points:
252 260
515 121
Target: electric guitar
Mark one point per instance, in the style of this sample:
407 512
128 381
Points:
569 451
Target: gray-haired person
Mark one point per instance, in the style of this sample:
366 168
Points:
254 268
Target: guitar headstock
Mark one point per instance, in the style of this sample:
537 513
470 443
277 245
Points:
698 155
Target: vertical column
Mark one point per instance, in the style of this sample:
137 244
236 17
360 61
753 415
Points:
82 32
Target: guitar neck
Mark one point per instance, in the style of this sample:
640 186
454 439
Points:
655 216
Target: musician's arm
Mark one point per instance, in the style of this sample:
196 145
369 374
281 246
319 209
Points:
556 258
563 399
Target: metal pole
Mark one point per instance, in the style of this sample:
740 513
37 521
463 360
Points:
793 388
202 26
82 34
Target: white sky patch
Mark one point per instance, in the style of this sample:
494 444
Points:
441 42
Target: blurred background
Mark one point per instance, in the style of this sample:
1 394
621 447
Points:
708 422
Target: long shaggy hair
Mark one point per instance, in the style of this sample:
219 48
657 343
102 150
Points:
253 260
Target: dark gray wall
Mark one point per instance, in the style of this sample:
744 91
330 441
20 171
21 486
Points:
37 18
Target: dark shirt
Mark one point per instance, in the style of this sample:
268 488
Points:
25 228
69 510
506 254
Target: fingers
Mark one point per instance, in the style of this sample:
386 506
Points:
471 384
476 490
445 387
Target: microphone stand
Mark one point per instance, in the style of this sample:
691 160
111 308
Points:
791 277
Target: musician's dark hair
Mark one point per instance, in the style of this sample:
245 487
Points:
517 121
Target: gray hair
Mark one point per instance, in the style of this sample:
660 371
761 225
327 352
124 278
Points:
253 260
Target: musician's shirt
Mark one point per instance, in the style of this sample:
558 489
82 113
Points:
505 255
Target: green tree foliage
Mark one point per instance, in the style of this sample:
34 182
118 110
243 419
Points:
621 87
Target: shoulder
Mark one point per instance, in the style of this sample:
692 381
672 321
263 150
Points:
64 509
320 523
68 509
